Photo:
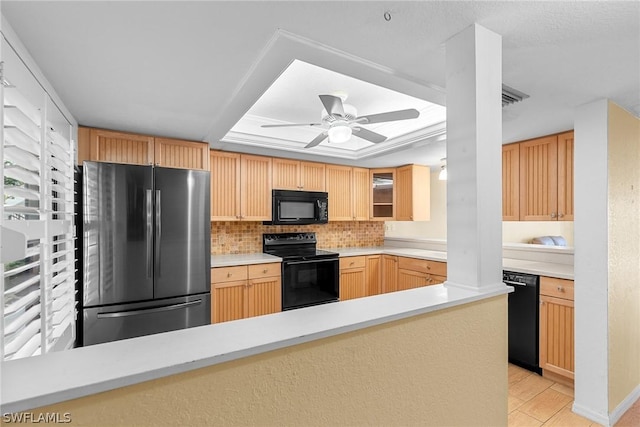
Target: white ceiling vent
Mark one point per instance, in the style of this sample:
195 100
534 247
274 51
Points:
511 96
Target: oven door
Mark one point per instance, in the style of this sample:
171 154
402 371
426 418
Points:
309 282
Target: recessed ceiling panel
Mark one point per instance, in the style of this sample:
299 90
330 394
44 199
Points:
294 98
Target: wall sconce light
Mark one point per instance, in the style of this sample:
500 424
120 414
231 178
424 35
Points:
443 170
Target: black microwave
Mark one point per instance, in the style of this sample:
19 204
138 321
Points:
299 207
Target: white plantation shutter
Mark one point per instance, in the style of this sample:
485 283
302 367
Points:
38 271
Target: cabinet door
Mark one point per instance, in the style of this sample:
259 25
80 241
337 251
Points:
413 184
511 182
556 335
264 296
409 279
352 283
565 176
312 176
225 186
383 196
228 301
389 273
373 275
340 193
360 195
121 147
255 188
176 153
286 174
539 179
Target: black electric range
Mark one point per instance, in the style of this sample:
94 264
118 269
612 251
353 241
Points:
310 276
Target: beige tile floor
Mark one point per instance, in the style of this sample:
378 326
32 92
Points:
535 401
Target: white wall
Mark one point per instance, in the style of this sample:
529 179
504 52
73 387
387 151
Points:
436 228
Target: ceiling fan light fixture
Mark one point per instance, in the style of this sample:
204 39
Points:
339 132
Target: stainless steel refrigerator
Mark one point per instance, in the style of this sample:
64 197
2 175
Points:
146 251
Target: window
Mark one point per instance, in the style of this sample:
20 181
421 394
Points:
38 270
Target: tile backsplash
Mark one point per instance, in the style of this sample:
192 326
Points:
237 237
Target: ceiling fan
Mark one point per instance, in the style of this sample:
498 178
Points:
343 121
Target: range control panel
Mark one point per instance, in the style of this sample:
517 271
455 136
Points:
288 238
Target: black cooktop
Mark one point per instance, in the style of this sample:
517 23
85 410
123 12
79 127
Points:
294 246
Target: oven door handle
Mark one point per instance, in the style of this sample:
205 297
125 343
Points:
509 282
310 261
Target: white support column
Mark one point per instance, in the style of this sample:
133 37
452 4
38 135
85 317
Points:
591 264
474 159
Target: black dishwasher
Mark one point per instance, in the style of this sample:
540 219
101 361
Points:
524 309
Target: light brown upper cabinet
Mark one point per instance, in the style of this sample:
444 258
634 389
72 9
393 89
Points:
511 182
348 190
240 187
546 178
121 147
176 153
383 195
413 188
296 175
565 176
360 188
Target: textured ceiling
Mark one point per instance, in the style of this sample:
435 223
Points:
192 69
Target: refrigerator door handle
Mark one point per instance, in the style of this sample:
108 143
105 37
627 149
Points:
149 236
158 231
116 314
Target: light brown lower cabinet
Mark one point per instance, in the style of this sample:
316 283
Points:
360 276
389 273
352 277
373 275
556 327
414 273
245 291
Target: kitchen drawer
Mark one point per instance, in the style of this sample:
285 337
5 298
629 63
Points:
228 274
352 262
257 271
559 288
423 265
433 279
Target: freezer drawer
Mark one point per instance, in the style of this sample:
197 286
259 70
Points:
117 322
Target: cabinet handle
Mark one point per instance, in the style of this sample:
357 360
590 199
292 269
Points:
553 215
560 215
265 271
351 263
229 274
428 267
560 288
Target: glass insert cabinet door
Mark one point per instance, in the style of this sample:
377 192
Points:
383 196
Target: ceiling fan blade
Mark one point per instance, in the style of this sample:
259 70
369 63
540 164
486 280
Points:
317 140
292 124
368 135
332 104
390 116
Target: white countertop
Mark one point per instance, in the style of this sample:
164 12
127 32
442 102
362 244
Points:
242 259
560 271
30 382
